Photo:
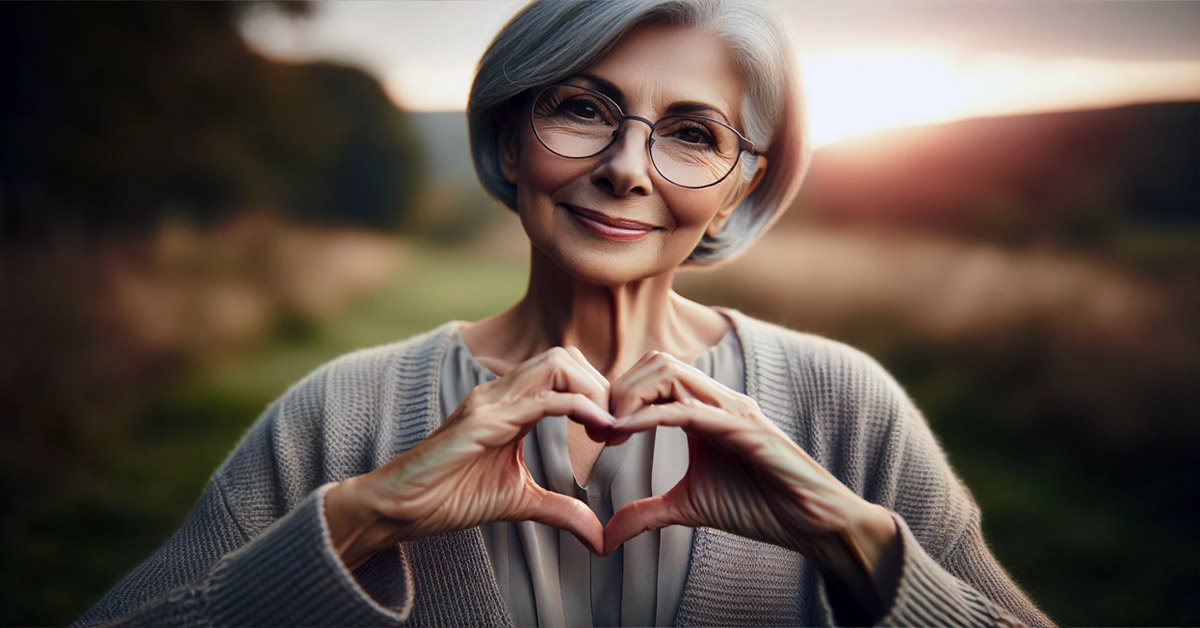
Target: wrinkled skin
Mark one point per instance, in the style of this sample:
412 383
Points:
747 477
472 470
744 475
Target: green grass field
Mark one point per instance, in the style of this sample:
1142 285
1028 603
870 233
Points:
75 537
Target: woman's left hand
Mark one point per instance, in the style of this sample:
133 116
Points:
745 476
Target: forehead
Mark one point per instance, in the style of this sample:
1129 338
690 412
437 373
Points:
656 66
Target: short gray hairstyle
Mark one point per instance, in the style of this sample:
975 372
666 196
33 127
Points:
550 40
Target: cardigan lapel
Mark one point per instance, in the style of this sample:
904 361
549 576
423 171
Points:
452 572
722 564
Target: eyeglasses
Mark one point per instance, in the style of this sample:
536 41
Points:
689 151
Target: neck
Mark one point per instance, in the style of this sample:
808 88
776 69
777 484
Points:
614 326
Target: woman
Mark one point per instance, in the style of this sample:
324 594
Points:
436 480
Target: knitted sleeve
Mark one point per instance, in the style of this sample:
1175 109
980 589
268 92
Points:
948 577
243 557
857 422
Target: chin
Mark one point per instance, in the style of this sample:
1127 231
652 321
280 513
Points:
610 268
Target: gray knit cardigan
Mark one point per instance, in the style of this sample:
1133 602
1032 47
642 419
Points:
256 550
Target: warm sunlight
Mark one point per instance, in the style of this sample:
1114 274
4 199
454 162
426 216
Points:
850 94
868 65
857 92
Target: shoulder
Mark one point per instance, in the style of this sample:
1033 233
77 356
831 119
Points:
353 376
778 355
838 403
854 418
350 413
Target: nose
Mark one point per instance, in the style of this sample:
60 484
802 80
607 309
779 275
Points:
624 167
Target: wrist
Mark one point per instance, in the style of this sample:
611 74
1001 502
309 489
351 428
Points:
357 529
862 562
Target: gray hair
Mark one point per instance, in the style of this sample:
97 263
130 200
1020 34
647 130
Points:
549 40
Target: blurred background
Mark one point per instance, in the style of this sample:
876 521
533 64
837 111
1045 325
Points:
201 202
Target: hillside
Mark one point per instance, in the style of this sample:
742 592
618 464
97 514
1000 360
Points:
1075 178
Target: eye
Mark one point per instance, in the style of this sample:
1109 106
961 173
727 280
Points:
694 136
581 108
690 132
576 107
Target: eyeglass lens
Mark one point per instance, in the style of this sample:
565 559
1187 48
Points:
688 151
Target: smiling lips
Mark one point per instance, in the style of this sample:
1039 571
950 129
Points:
610 228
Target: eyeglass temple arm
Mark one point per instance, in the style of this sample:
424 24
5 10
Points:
745 144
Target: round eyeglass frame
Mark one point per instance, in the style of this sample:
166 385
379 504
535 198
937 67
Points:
744 145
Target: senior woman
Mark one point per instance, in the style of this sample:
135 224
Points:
605 451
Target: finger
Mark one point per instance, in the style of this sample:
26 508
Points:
556 369
587 367
641 386
500 424
664 378
575 406
570 514
733 432
636 517
633 370
693 415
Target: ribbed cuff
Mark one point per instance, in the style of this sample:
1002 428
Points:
290 575
927 595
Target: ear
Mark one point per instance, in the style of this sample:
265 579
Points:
508 152
718 221
760 168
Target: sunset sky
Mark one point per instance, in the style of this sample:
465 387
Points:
868 64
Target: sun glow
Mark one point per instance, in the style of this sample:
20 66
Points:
860 91
853 93
858 80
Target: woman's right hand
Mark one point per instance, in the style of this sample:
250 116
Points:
471 470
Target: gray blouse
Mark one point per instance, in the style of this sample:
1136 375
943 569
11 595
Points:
547 577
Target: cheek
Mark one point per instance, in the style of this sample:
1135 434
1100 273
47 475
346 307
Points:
540 172
542 177
694 209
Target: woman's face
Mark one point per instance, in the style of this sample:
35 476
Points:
653 224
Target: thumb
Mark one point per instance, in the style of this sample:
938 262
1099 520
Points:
570 514
636 517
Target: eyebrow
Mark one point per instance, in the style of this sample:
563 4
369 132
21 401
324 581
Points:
601 85
691 107
694 107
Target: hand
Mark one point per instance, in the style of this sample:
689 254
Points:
747 477
471 470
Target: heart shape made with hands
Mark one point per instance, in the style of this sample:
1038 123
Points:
744 476
737 459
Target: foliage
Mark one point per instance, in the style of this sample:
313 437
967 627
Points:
114 116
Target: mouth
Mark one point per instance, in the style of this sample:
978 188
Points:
609 228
